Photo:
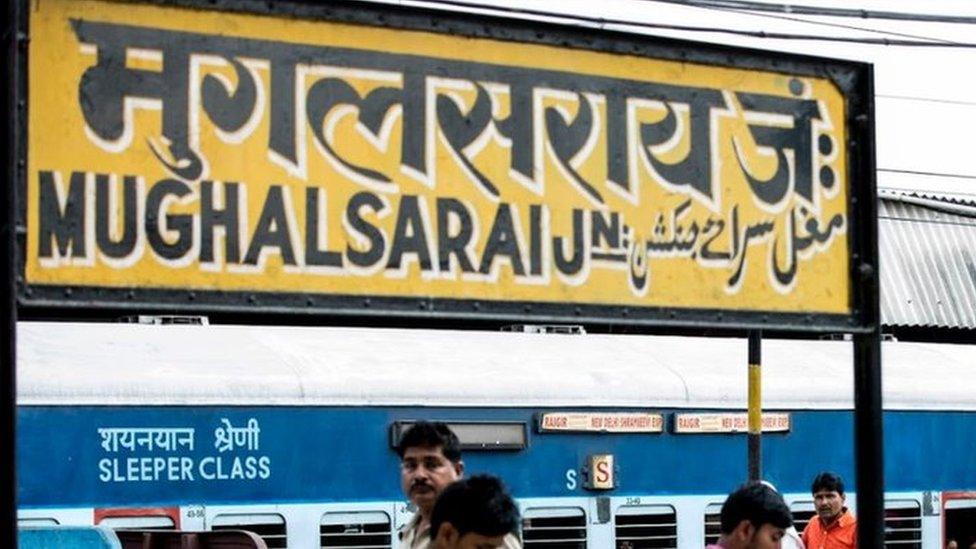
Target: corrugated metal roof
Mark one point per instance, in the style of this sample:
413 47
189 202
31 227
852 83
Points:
927 247
939 198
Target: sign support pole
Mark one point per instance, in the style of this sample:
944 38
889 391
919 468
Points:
868 411
755 405
868 439
8 250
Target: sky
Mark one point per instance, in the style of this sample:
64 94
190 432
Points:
925 96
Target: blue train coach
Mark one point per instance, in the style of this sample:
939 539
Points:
606 440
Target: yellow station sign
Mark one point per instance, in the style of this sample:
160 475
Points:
185 149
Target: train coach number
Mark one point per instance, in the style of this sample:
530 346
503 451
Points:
195 513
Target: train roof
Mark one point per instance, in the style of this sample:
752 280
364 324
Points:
132 364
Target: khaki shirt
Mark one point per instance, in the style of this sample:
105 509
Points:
411 537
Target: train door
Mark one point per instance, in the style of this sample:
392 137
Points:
959 519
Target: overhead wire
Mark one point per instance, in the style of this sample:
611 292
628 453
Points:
926 99
602 22
750 8
738 7
927 221
933 174
801 9
756 13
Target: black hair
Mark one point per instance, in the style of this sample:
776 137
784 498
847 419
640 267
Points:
827 482
757 503
431 434
478 504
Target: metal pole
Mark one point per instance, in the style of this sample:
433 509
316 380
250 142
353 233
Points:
755 405
8 247
868 419
868 440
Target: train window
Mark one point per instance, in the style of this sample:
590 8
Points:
903 524
270 526
713 523
802 512
960 520
356 529
39 521
646 527
554 528
475 435
159 522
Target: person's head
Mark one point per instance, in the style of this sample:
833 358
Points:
430 460
473 513
828 496
754 517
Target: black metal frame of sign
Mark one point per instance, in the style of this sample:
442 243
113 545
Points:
860 315
67 226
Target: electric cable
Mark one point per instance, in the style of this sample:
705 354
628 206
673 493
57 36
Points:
602 22
925 99
927 221
801 9
933 174
753 13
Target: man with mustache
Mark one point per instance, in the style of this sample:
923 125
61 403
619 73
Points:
834 527
430 461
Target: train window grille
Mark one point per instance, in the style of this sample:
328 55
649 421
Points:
803 512
554 528
360 530
646 527
903 524
270 527
713 523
